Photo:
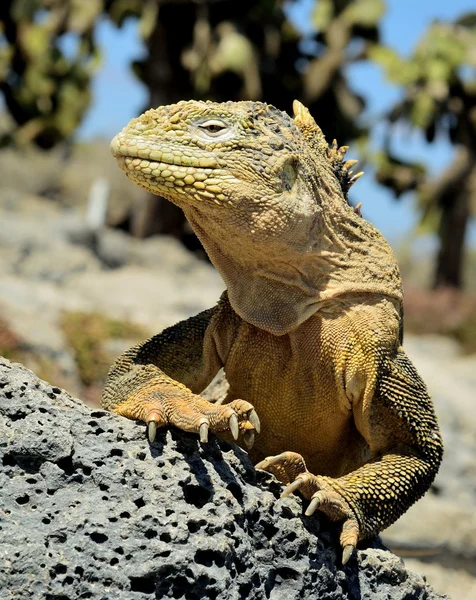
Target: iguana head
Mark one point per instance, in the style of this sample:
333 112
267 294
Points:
201 153
267 197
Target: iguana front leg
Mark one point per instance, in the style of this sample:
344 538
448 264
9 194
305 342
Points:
158 382
400 427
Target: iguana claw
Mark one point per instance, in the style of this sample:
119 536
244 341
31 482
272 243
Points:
290 468
293 487
254 420
151 431
204 433
347 553
313 506
234 427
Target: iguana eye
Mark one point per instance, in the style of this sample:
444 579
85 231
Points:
213 127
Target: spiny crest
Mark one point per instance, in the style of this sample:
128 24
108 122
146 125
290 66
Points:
335 154
342 168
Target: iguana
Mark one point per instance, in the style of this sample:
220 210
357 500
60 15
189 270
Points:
309 331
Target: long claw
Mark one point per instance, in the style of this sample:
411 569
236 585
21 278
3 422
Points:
290 489
249 439
204 433
254 420
347 553
234 427
313 505
151 431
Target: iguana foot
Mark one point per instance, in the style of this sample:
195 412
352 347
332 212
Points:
290 468
190 412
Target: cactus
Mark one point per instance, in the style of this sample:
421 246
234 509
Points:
439 99
46 89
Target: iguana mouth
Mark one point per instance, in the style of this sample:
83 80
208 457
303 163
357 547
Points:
170 171
166 155
159 168
186 181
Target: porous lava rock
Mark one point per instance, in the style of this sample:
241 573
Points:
91 510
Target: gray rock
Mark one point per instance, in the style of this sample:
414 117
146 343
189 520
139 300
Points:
35 319
136 293
116 249
35 246
90 510
56 263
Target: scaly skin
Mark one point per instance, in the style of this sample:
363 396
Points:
309 331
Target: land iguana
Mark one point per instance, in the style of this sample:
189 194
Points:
309 331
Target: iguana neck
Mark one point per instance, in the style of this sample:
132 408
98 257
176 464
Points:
276 287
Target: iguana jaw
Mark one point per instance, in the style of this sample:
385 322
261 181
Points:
127 147
163 169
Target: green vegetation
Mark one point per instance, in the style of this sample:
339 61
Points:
46 91
87 333
87 336
439 84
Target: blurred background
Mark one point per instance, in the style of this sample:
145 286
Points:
90 263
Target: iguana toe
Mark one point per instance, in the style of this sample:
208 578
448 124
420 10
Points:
290 468
193 413
285 466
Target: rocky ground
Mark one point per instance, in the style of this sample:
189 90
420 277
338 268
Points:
55 268
91 510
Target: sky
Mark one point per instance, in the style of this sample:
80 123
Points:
118 96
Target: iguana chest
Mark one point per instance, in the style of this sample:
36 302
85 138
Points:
296 383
